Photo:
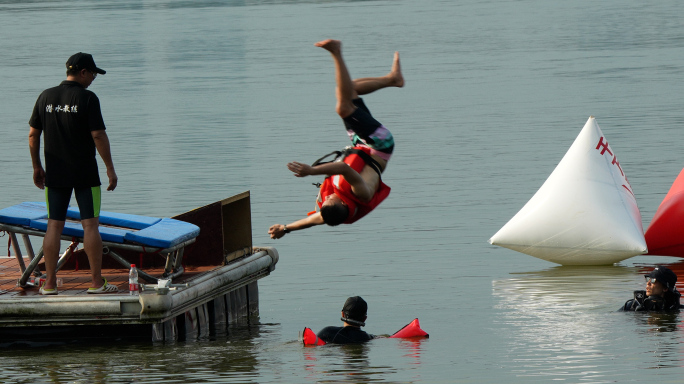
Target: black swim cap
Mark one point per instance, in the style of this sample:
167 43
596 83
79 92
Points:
354 311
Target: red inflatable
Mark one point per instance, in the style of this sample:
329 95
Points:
411 329
310 338
665 235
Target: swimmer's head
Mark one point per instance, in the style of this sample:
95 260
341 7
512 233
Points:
354 311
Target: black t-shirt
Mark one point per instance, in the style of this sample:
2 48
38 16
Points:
67 114
344 335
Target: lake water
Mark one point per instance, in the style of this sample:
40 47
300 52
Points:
207 99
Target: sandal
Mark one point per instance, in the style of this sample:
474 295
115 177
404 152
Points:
45 291
105 288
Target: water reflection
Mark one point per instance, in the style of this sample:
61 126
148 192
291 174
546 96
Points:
564 321
559 287
661 337
657 321
360 363
412 348
341 363
233 355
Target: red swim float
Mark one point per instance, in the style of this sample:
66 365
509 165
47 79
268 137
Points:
411 329
310 338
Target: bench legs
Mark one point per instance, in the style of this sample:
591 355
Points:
33 265
172 259
172 269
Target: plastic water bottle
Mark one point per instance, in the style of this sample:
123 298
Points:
133 285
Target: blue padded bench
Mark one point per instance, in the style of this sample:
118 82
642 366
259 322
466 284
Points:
118 230
143 230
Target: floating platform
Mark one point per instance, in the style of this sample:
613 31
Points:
210 284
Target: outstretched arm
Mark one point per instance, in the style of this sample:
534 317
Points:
358 185
278 230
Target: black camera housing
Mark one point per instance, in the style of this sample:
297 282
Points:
640 296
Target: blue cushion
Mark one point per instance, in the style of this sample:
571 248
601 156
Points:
165 234
113 235
40 225
22 214
118 219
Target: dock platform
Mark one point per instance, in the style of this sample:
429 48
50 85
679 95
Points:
216 286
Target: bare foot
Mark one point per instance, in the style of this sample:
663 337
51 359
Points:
330 45
395 73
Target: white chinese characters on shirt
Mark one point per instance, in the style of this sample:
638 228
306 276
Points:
59 108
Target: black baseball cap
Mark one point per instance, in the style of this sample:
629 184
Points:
665 276
354 311
82 60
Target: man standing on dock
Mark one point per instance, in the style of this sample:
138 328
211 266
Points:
353 187
71 119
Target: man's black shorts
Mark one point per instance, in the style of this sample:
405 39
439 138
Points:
88 199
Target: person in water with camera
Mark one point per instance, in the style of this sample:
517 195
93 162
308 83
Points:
660 295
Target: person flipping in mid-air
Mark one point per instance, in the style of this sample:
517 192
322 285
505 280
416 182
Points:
353 187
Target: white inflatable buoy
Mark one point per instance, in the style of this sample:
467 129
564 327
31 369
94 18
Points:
584 214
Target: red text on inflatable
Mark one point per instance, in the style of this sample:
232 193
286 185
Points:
604 147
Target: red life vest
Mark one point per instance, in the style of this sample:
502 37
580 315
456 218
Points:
339 186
